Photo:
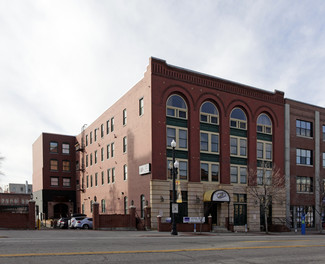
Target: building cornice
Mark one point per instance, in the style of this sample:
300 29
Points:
161 68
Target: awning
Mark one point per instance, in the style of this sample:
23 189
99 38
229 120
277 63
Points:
216 196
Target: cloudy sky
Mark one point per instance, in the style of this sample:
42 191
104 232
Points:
57 56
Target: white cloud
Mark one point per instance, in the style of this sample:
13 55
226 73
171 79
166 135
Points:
57 56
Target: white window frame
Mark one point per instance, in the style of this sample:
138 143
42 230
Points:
210 164
177 135
210 134
240 169
238 146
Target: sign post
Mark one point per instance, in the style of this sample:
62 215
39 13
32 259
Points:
303 224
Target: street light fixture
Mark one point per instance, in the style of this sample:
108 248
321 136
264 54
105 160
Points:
174 204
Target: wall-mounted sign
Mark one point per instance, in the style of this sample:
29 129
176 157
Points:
193 220
220 196
145 169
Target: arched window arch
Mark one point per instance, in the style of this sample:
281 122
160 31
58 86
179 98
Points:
238 119
264 124
176 107
209 113
142 204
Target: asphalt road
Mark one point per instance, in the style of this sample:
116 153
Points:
88 246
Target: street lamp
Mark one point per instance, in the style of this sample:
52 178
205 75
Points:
174 204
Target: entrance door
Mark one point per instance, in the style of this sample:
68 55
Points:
60 210
211 208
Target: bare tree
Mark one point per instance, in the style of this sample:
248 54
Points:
321 203
266 184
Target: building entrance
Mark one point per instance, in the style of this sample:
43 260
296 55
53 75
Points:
211 208
60 210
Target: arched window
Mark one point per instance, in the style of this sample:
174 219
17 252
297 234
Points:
176 107
143 204
238 119
91 206
103 206
209 113
264 124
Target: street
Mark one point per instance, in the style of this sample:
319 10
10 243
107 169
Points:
88 246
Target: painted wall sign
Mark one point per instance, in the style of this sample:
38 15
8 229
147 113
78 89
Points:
220 196
145 169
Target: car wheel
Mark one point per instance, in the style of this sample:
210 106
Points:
86 226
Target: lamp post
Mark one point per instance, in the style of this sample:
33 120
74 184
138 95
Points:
174 204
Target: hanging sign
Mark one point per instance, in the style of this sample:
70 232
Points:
145 169
220 196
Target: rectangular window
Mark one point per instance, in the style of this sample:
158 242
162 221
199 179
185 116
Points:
112 124
124 117
107 127
95 156
66 182
204 171
304 157
87 181
103 177
209 172
125 172
112 150
54 165
323 129
182 172
102 154
264 150
65 148
204 142
86 160
214 143
238 174
95 134
54 181
54 147
91 137
179 135
108 176
125 142
108 150
91 159
86 140
260 150
243 147
233 146
66 165
102 130
264 176
141 107
303 128
113 175
91 180
304 184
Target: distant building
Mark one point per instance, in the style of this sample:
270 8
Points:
54 181
20 188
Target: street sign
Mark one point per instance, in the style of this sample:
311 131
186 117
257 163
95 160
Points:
175 208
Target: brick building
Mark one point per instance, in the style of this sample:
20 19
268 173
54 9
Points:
304 162
54 175
221 129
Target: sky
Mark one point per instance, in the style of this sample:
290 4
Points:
57 56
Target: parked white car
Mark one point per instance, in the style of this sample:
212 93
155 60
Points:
73 220
86 223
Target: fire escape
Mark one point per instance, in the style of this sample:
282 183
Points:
80 166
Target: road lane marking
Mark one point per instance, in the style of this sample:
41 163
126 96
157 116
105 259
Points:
151 251
270 241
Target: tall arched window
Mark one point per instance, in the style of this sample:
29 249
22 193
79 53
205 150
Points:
209 113
238 119
103 206
264 149
264 124
176 107
91 206
176 129
238 146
